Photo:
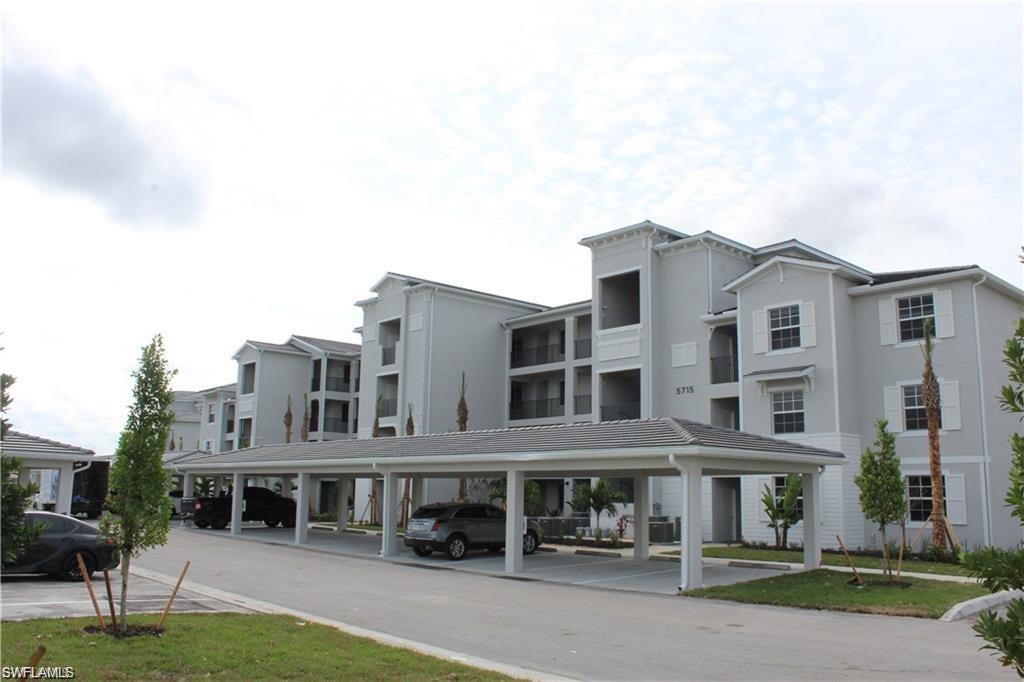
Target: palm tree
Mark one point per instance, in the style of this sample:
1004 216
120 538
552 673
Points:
304 429
933 410
462 421
601 497
287 420
410 430
375 432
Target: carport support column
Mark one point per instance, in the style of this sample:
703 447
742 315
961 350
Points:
188 485
419 493
302 509
515 484
343 484
65 486
641 518
237 500
286 486
812 500
691 568
389 531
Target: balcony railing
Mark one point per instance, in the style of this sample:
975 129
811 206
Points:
538 355
389 407
582 348
616 411
314 384
337 384
723 369
581 404
387 355
335 425
537 409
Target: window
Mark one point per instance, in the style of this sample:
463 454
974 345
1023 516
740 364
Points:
471 513
919 497
914 312
209 414
248 377
494 513
779 488
915 416
784 324
788 412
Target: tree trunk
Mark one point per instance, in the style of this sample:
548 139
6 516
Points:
932 403
778 537
885 554
122 620
406 491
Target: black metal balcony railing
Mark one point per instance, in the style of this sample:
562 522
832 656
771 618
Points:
537 409
582 348
723 369
244 442
335 425
616 411
387 355
389 407
581 404
337 384
538 355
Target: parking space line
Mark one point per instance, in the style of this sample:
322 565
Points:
581 563
624 577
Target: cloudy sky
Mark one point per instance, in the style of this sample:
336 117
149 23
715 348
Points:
217 173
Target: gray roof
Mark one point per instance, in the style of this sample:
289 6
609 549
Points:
285 347
667 432
328 345
887 277
420 280
172 456
780 370
17 443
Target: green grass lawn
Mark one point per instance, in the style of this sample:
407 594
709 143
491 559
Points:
796 556
824 589
226 646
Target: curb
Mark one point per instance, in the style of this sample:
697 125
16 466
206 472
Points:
758 564
968 608
375 635
597 552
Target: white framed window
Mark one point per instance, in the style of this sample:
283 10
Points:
210 416
905 411
915 416
788 411
919 498
784 327
914 313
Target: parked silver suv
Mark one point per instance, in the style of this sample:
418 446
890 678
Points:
455 527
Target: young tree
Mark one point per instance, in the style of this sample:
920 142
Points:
6 381
140 509
287 421
462 422
533 498
932 407
783 512
601 497
304 429
882 495
1002 569
375 431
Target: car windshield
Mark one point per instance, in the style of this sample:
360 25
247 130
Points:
429 512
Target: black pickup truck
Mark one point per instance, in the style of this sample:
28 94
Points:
258 504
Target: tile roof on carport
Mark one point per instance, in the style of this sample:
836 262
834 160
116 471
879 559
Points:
19 444
666 432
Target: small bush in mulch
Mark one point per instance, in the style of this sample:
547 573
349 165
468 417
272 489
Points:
130 631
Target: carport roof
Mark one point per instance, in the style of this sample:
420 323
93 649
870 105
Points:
668 433
19 444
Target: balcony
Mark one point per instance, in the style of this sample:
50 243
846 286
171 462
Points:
724 370
387 355
617 411
581 348
335 425
337 384
537 355
389 407
314 385
537 409
244 442
581 404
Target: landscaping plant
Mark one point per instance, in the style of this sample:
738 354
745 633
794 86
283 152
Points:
462 422
140 508
933 407
783 512
533 499
997 568
883 497
15 499
287 421
600 497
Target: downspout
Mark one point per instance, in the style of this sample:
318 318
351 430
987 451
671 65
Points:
650 329
986 491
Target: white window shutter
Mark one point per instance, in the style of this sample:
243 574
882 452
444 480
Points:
956 504
892 401
943 313
684 354
949 395
760 331
887 321
369 334
808 336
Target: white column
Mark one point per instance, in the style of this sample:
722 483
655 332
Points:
641 518
286 486
691 568
218 485
570 370
812 541
343 485
419 493
389 510
65 487
237 500
302 509
317 493
515 484
188 485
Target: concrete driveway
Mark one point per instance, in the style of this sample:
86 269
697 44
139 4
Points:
583 633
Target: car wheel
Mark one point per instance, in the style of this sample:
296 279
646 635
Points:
271 523
455 547
202 523
529 542
422 551
72 572
219 524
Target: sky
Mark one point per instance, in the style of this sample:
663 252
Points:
217 172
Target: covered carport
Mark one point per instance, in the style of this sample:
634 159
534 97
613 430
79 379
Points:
636 448
39 453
